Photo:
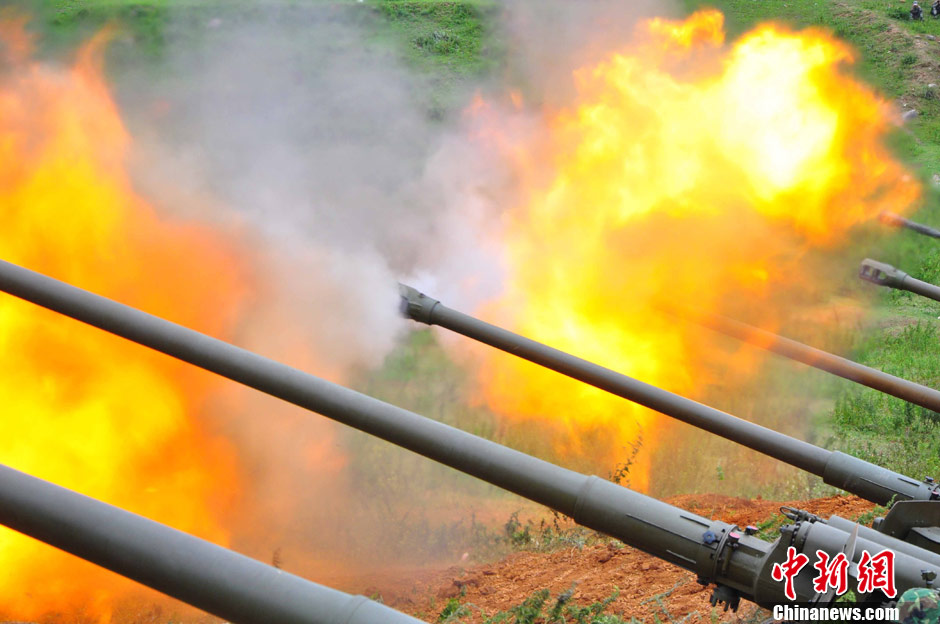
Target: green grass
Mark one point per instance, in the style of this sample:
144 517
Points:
440 37
65 24
447 44
540 608
885 430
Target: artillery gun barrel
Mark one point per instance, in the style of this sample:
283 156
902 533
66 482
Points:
847 369
851 474
889 218
886 275
738 562
214 579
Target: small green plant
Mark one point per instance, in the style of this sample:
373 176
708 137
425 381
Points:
593 613
525 613
548 536
658 599
517 534
897 12
909 59
866 518
535 609
621 472
769 529
848 596
438 42
454 611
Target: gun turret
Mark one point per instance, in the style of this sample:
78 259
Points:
212 578
889 218
847 369
886 275
739 563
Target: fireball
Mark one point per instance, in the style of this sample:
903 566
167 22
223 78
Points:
689 169
81 408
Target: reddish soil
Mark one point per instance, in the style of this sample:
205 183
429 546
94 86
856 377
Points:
649 589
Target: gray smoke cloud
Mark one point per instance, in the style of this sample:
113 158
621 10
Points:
291 129
310 142
318 143
549 40
289 126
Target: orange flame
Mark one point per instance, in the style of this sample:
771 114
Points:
685 168
81 408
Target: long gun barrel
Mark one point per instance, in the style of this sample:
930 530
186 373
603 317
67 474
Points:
212 578
886 275
889 218
740 564
849 473
847 369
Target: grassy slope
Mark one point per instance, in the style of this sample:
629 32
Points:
447 42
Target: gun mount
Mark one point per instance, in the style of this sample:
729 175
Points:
738 563
886 275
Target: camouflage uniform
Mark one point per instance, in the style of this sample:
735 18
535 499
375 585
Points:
920 605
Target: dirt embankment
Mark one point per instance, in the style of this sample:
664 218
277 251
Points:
649 589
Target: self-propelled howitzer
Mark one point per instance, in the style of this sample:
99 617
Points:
843 471
738 562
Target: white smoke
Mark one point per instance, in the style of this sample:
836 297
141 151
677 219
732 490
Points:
289 126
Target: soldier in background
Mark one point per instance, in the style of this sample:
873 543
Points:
916 12
935 8
919 605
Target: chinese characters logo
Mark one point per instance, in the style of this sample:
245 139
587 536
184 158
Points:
875 572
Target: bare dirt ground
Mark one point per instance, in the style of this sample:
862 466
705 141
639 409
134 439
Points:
649 589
